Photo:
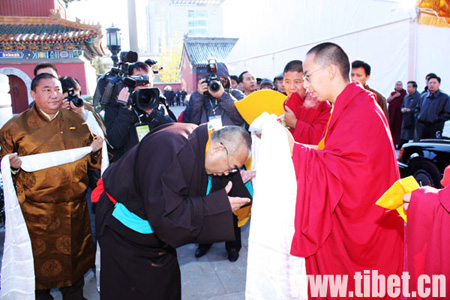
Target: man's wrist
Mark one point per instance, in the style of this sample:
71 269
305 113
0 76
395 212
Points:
123 104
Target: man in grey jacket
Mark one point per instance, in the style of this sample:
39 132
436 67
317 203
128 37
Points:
209 106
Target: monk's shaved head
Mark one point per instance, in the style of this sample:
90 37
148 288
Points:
329 53
234 138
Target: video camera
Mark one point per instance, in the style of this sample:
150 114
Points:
143 98
212 79
72 97
111 83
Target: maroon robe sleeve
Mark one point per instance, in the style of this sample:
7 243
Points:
313 128
428 237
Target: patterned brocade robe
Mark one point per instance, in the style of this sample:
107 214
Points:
53 200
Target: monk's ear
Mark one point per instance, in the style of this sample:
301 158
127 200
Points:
332 71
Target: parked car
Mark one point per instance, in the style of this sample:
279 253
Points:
425 160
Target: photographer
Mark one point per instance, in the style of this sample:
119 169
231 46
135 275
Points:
123 121
206 105
71 101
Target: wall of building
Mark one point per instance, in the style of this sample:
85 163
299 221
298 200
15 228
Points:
83 72
5 100
161 23
373 30
188 79
35 8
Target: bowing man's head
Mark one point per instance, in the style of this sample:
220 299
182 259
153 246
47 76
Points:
228 150
326 71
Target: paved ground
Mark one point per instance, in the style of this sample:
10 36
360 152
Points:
209 277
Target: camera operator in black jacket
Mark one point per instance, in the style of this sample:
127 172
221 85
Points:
206 105
124 121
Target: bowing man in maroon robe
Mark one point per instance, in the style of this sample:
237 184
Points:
161 195
338 228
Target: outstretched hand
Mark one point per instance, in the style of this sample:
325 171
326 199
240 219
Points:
14 161
246 175
289 116
97 144
406 200
235 202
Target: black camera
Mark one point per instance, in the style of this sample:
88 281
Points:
111 83
212 79
72 97
143 98
128 57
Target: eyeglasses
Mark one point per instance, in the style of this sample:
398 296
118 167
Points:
308 76
230 170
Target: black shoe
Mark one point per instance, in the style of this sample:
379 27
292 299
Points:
233 255
201 250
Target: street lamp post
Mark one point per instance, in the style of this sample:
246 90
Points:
113 43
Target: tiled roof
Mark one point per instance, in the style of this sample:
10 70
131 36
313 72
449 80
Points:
19 33
44 29
200 49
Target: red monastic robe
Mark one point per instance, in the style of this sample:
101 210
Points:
312 118
428 237
396 116
339 229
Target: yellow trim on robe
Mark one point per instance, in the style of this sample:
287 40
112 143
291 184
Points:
321 144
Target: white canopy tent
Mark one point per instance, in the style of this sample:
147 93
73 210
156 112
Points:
386 34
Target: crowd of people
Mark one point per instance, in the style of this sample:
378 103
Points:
172 183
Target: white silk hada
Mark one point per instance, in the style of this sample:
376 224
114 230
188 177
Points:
272 273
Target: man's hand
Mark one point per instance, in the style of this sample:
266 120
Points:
15 161
79 110
291 140
65 104
246 175
406 200
123 96
202 86
235 202
97 144
289 116
219 93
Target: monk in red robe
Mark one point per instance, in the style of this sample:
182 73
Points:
428 239
339 229
311 117
305 115
395 101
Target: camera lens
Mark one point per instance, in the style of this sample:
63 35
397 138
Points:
78 102
146 98
214 85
